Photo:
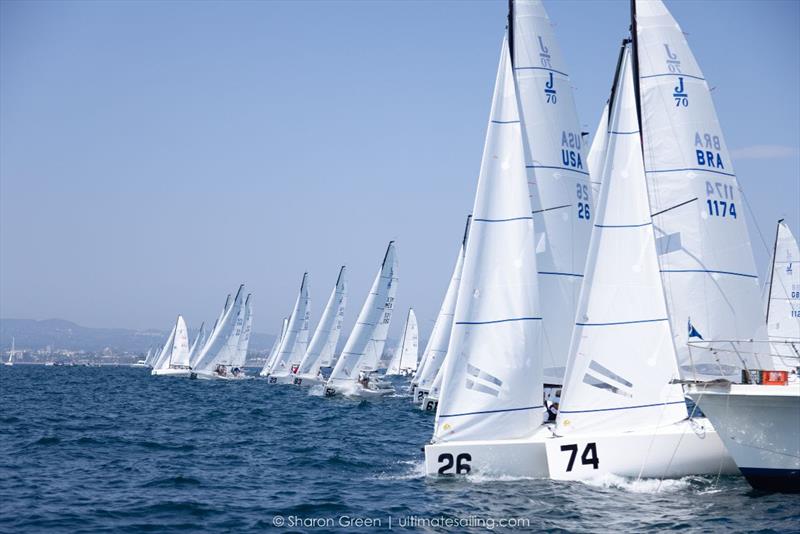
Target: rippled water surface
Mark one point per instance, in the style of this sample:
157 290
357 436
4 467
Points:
115 450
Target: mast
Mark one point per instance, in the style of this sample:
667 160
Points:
613 93
635 64
511 31
772 267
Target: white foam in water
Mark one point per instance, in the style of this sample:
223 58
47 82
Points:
414 469
642 485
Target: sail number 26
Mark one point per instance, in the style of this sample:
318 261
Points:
589 456
582 192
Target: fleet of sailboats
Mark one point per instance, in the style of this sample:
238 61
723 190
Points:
595 289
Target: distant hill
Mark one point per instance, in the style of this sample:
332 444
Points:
59 334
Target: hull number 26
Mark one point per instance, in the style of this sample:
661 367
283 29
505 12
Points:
461 463
589 456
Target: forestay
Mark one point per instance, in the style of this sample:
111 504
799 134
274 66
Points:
326 336
622 356
557 174
492 386
705 253
365 343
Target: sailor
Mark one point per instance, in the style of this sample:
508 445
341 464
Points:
363 379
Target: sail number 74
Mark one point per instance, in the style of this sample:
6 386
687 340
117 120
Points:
589 456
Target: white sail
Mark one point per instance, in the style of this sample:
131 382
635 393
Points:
558 175
405 356
244 339
293 345
597 151
326 336
365 344
436 348
179 357
273 353
162 360
197 345
622 356
149 356
492 386
221 345
783 301
705 253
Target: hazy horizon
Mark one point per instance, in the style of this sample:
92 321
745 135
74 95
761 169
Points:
153 156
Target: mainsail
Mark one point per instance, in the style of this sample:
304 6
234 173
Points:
294 343
557 175
492 386
365 344
244 338
705 254
273 353
622 357
166 350
326 336
197 345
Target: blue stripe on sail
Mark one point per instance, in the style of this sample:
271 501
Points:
672 74
623 408
501 320
555 167
708 271
622 322
505 122
542 68
560 274
503 220
491 411
623 133
693 169
622 225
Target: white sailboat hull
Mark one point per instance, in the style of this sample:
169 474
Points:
419 394
214 376
172 372
281 379
760 427
429 404
689 447
357 390
308 380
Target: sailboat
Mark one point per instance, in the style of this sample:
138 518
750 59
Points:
11 353
557 175
240 358
783 301
176 362
197 344
436 348
326 336
218 359
273 353
166 350
353 373
404 360
294 343
143 362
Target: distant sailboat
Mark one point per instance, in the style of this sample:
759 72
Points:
364 348
294 344
783 301
404 360
163 355
11 353
176 362
219 355
326 336
197 345
143 362
273 353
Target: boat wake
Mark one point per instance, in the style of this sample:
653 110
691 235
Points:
643 485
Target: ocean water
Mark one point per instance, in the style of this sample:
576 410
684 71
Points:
116 450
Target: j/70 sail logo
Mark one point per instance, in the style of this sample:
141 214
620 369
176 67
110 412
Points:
673 63
550 90
544 53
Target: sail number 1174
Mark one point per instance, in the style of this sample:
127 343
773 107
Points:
720 200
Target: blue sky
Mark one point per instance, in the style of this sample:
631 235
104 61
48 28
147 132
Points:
155 155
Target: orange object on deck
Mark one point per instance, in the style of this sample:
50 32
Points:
774 378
